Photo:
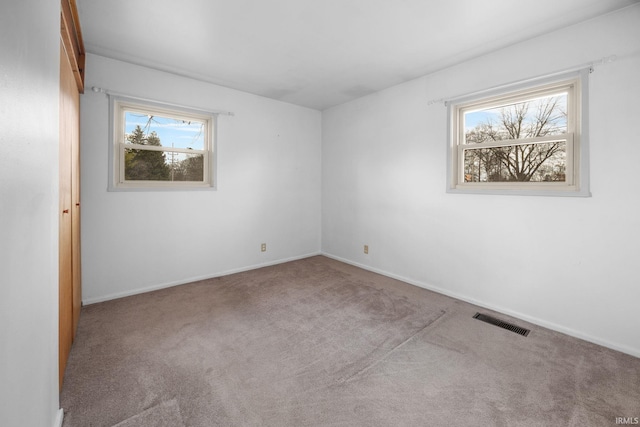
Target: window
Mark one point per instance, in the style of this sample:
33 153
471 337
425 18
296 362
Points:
526 141
158 147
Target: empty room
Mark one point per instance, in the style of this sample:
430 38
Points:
319 213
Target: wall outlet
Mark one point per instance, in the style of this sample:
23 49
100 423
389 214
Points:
366 249
263 247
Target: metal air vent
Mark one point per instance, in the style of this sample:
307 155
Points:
497 322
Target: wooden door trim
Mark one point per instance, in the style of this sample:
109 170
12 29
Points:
72 39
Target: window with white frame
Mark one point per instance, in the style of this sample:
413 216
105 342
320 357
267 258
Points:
526 141
160 147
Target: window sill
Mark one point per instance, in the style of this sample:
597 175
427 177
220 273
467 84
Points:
565 192
126 188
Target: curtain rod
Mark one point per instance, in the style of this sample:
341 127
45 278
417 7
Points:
96 89
588 66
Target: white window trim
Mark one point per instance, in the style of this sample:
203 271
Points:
117 106
577 139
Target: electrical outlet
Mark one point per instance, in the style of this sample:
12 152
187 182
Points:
366 249
263 247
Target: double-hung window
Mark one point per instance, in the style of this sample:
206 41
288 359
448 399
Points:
160 147
526 141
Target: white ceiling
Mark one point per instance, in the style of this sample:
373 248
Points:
317 53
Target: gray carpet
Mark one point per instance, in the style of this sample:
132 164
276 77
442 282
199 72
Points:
165 414
317 342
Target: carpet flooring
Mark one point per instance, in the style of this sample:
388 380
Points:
316 342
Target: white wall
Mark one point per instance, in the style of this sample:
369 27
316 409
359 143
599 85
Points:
566 263
29 92
268 189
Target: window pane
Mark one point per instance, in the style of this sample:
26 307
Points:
147 129
186 167
542 162
528 119
147 165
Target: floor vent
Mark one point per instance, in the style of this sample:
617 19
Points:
501 324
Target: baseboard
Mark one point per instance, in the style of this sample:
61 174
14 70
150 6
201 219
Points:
536 321
117 295
59 418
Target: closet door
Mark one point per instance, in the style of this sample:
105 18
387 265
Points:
76 299
71 86
69 101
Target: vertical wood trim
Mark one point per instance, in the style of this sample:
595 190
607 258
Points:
72 38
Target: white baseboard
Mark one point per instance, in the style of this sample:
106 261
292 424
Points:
116 295
534 320
59 418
